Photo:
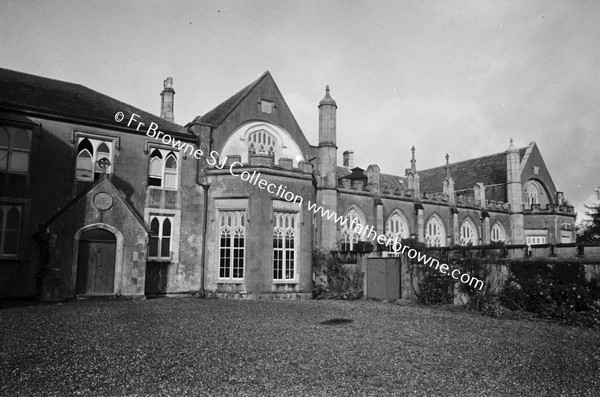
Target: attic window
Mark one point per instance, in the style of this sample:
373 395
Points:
266 106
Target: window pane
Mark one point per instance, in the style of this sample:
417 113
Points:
165 247
155 167
3 159
171 162
3 137
154 226
170 180
166 228
21 139
10 242
12 219
84 165
103 150
19 161
153 247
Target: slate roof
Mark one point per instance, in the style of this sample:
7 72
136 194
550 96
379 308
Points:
218 114
386 181
72 101
489 170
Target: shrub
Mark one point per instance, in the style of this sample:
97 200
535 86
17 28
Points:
339 282
555 291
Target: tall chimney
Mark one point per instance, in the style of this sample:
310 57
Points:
348 159
167 99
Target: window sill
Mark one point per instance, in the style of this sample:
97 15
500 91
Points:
163 260
163 188
230 281
291 281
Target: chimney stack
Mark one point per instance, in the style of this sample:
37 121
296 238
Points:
348 159
167 100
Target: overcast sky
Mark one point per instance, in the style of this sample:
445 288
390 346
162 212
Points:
451 77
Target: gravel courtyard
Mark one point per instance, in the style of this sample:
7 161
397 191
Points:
178 347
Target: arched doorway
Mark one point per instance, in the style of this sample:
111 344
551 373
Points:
96 262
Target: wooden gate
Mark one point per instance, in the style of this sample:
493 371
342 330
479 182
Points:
383 278
96 263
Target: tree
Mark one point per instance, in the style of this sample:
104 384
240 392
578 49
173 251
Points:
589 231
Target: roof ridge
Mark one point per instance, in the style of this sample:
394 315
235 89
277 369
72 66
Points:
235 101
464 161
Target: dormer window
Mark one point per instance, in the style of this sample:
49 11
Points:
262 143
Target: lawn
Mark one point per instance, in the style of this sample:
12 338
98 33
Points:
179 347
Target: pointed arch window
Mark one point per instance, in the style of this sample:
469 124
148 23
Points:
15 148
262 142
435 232
10 228
468 233
352 231
90 152
533 191
160 240
396 227
284 246
163 170
497 233
232 240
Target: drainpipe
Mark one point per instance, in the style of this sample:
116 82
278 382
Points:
205 187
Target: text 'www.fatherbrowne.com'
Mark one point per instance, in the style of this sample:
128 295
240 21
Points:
254 178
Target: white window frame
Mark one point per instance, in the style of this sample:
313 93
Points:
165 153
285 224
161 222
468 233
396 226
435 232
533 191
95 142
5 208
239 222
262 137
11 131
535 237
353 217
497 233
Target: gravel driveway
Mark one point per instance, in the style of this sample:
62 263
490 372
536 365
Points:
192 347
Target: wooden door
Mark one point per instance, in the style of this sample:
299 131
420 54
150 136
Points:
96 263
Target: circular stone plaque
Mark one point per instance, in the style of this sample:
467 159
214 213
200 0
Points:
103 201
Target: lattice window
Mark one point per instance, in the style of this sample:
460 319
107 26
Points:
396 227
468 233
284 246
498 233
349 235
262 142
91 154
232 232
15 148
533 191
435 233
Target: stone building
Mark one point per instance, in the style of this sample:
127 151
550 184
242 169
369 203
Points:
94 205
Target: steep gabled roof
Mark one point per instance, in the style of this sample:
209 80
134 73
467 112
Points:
71 101
489 170
218 114
108 186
